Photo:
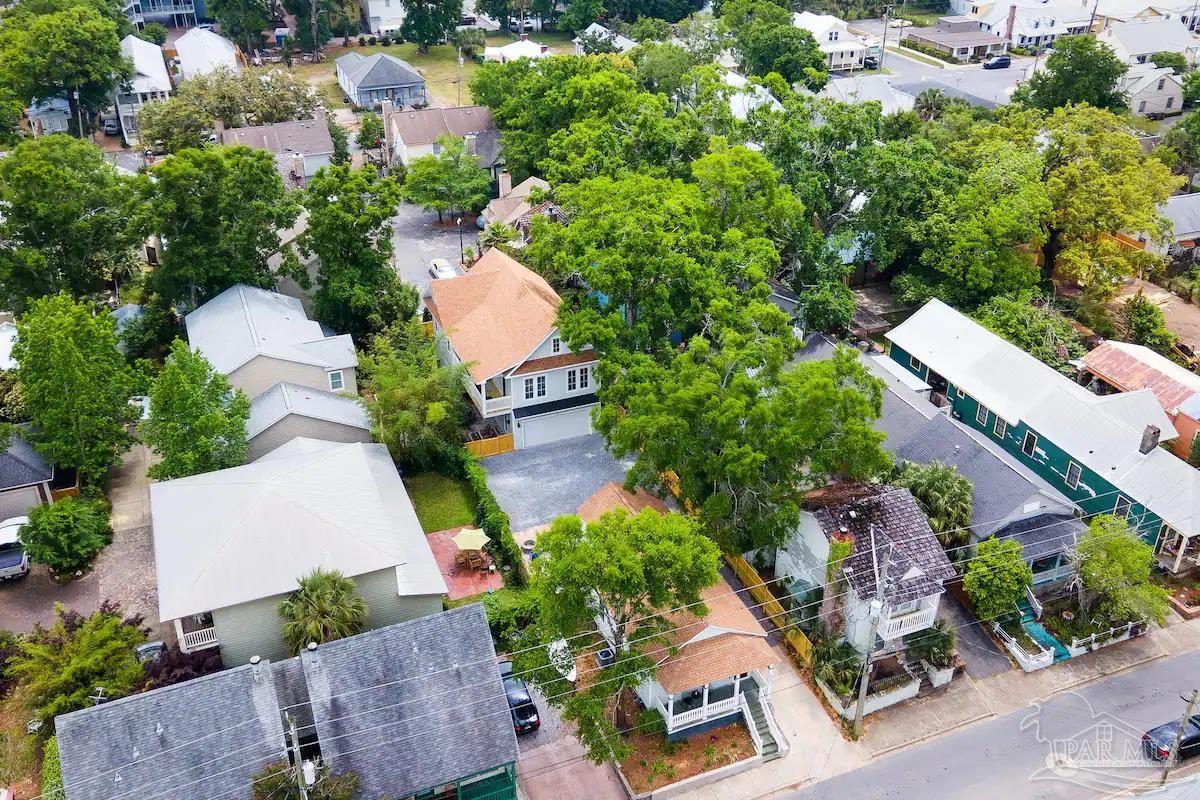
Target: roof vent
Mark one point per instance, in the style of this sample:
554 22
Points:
158 729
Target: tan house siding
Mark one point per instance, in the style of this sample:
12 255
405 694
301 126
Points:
1156 101
256 629
262 372
294 425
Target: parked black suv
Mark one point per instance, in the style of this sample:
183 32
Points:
998 62
524 712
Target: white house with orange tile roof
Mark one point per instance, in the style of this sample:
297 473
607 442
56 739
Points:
500 320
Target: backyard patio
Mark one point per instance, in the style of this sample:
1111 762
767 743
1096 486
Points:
462 579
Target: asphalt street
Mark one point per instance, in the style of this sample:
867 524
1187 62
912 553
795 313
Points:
1075 745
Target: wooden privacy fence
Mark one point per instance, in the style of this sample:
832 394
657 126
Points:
491 447
771 607
427 328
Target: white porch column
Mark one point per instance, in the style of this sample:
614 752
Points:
1179 555
704 702
670 712
179 635
737 685
770 678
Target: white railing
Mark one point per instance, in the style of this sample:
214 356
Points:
710 711
748 718
1102 638
780 740
1028 661
1033 603
199 640
495 405
894 627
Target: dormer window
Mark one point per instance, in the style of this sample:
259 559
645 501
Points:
833 36
556 345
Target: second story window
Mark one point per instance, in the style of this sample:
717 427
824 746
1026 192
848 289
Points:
833 36
571 381
529 388
584 377
337 380
556 345
541 386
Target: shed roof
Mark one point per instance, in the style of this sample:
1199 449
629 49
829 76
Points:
612 496
378 71
287 399
201 51
1102 433
877 516
427 125
1131 367
495 315
412 706
227 537
1183 210
208 736
243 322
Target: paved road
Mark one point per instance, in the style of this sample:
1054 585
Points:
1000 759
417 240
994 85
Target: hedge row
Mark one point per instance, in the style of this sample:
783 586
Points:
930 51
52 785
489 516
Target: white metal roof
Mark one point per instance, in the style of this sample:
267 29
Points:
8 337
242 534
1183 211
623 43
150 70
243 322
1103 433
867 88
817 24
283 399
201 51
1144 36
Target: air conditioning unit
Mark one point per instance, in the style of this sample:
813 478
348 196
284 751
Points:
606 657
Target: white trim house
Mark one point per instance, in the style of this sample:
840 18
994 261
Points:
842 49
150 82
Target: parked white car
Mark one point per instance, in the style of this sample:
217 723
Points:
14 563
441 268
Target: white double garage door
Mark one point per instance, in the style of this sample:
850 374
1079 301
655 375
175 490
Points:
554 427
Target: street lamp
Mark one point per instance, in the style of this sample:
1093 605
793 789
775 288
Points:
458 222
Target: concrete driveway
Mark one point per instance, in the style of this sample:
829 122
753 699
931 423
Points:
417 240
979 653
536 485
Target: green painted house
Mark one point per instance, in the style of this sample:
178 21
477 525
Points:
1100 451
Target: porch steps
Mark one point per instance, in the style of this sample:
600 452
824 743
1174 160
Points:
770 748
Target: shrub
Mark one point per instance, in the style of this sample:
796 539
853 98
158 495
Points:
52 783
66 535
489 516
8 649
327 606
836 664
175 666
509 611
372 40
362 40
935 645
386 41
996 578
930 51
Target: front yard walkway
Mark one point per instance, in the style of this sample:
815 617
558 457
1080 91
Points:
460 581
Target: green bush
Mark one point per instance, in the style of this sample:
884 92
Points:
509 611
935 645
66 535
52 784
930 51
489 516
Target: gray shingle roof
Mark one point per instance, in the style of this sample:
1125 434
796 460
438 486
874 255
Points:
206 737
442 716
379 71
1044 534
876 516
284 399
1184 213
21 465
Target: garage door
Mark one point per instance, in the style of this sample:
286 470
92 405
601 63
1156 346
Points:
17 502
549 428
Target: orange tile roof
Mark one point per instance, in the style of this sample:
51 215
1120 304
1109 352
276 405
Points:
613 495
495 315
742 648
1132 367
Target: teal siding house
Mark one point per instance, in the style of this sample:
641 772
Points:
1102 452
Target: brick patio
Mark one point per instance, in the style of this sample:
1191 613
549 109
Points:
461 581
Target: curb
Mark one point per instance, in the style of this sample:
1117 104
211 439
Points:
1160 654
936 734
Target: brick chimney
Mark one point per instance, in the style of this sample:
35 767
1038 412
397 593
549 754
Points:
524 37
504 184
1149 439
1012 21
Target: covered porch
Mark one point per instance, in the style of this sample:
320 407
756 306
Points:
1176 552
712 701
196 632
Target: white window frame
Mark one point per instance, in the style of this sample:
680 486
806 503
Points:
339 383
959 393
981 414
1000 427
1078 474
915 363
529 388
541 385
585 377
1029 435
1117 507
556 345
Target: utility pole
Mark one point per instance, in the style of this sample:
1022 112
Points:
458 79
1092 21
877 606
1183 724
297 762
887 12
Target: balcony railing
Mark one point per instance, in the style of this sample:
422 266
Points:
894 627
711 711
199 640
497 405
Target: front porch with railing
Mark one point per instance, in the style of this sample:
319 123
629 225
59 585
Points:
899 623
713 701
1178 553
196 632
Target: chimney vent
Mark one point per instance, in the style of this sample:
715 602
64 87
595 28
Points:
1149 439
255 669
311 647
505 183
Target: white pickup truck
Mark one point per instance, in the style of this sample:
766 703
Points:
13 561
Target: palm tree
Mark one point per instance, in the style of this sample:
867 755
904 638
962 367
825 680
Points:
930 104
945 497
496 234
326 607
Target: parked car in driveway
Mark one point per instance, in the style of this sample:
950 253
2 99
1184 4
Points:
1157 742
520 704
871 62
998 62
111 127
515 25
14 563
441 268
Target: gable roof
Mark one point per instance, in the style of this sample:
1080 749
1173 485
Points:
1131 367
612 496
378 71
870 88
1102 433
412 706
243 322
1044 534
286 399
1183 210
817 24
623 43
495 315
514 205
227 537
1142 76
1156 35
876 516
727 641
201 51
21 465
150 70
208 736
305 137
427 125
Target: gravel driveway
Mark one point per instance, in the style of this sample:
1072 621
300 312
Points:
536 485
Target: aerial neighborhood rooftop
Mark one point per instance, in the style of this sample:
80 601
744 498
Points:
501 401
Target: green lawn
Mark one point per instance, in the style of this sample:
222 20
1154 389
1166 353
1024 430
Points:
441 502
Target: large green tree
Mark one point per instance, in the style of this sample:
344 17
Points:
197 422
241 20
428 22
75 383
1039 330
219 212
452 180
175 122
65 224
1115 568
349 231
946 497
1080 69
629 570
325 607
996 578
63 666
1145 324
